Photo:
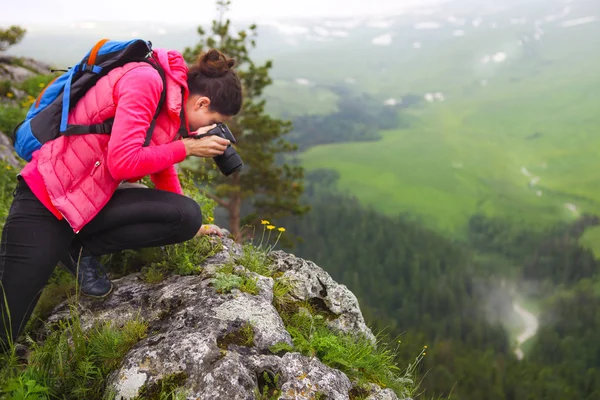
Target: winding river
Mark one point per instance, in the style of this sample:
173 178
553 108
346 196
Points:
531 326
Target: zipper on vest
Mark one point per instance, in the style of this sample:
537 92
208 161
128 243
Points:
96 165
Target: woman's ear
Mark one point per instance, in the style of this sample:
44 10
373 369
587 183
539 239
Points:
202 102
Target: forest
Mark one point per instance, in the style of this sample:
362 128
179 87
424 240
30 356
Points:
426 290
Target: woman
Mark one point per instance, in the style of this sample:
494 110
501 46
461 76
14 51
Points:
66 206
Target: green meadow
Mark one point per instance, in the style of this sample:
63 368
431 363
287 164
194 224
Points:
520 141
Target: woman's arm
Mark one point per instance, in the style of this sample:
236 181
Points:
167 180
136 97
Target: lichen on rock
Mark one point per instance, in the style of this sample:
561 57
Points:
223 342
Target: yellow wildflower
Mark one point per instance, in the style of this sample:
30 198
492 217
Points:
41 85
210 219
264 222
8 167
9 95
270 227
424 347
424 354
281 229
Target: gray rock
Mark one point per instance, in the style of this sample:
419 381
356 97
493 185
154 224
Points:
7 152
201 333
316 285
304 377
382 394
17 73
19 69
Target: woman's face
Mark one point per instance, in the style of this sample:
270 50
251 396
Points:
199 114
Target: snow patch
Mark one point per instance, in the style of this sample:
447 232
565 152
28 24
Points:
431 97
391 102
552 18
476 22
499 57
579 21
321 31
457 21
302 81
458 32
382 40
571 207
416 45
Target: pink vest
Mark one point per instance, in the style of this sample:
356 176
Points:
73 171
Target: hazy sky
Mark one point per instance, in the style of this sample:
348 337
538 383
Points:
172 11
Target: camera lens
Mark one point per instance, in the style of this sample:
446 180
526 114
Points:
229 162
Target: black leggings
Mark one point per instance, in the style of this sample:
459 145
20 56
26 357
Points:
33 240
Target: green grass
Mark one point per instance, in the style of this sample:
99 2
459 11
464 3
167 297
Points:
70 362
362 361
466 155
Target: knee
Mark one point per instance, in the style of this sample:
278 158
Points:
191 218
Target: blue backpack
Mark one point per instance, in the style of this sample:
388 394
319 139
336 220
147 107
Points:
48 115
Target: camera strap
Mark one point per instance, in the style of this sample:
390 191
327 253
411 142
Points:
183 128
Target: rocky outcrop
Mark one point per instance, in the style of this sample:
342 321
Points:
203 335
15 70
19 69
7 153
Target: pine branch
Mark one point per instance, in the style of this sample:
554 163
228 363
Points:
219 201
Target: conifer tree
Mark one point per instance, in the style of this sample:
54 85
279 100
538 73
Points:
11 36
266 188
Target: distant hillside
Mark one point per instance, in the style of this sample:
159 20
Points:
503 102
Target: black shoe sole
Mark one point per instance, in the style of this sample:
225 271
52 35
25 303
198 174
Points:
112 286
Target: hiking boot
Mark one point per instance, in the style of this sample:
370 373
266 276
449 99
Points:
91 276
22 354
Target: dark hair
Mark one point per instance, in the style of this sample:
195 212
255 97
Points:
213 76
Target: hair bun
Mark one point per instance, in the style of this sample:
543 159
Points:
214 64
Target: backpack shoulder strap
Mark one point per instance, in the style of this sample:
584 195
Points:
161 101
106 126
183 128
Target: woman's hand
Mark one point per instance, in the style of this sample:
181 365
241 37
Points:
209 230
208 146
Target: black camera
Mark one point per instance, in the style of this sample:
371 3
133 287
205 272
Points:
230 161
